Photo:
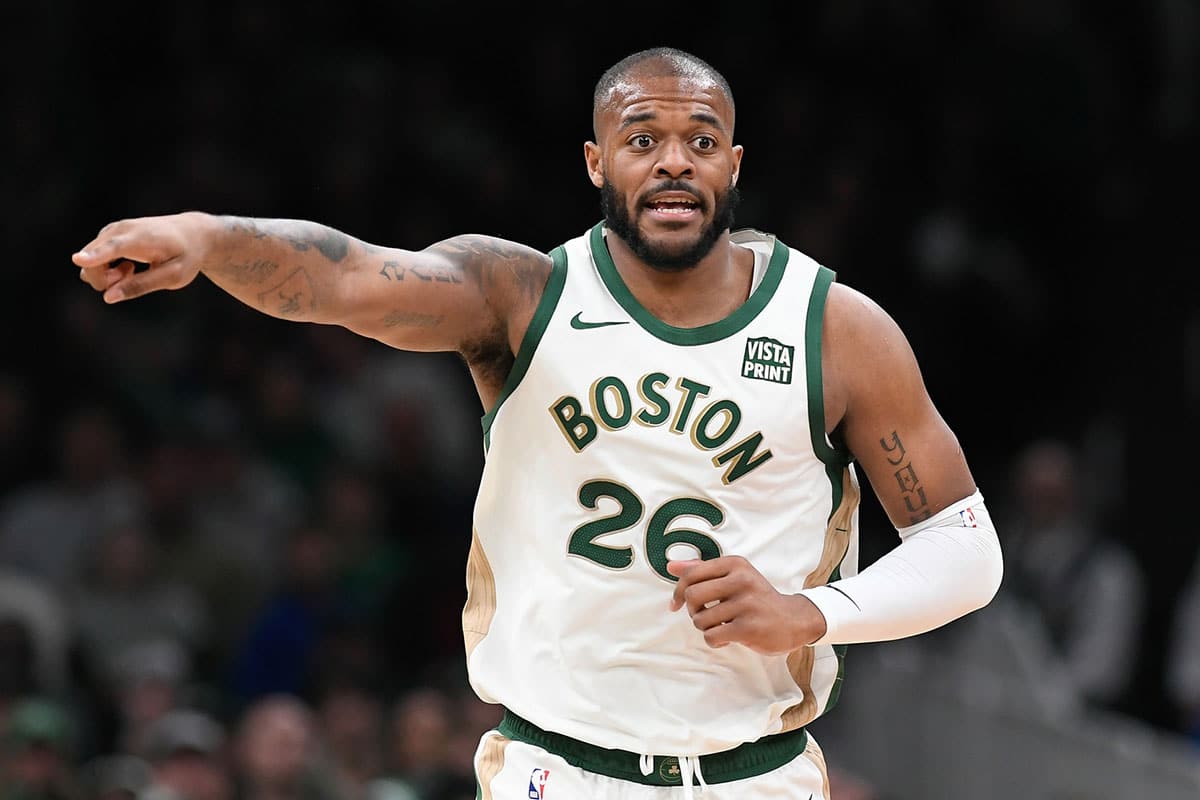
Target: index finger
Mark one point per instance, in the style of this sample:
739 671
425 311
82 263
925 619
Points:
692 571
116 242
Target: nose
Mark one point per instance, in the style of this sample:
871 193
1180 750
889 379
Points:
674 161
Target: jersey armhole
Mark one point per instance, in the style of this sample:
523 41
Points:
533 336
824 448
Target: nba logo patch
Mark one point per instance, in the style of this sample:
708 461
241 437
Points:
537 784
967 515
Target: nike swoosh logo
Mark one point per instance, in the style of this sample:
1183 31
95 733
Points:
580 325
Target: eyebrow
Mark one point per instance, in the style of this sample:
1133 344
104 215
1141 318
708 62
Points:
699 116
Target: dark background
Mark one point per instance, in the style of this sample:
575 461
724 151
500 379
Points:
1013 181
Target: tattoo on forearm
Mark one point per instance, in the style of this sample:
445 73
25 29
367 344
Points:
291 297
243 225
911 490
253 272
302 236
393 270
329 243
412 319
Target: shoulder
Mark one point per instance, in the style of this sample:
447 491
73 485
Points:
510 269
864 352
863 336
852 317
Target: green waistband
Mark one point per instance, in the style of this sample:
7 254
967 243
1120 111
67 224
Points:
743 761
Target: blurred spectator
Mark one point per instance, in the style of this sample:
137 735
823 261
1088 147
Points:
351 725
1183 656
19 433
244 500
18 662
283 422
419 737
473 718
277 752
187 752
1084 584
279 653
145 680
48 526
240 510
374 560
126 598
169 473
115 777
38 608
38 755
368 391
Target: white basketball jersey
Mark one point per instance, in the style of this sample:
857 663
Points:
619 442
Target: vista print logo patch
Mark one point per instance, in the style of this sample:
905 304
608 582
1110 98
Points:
768 360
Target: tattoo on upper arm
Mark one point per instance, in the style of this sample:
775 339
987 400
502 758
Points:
292 296
395 271
485 261
412 319
911 490
440 274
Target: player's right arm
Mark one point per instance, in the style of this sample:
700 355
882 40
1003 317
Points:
453 295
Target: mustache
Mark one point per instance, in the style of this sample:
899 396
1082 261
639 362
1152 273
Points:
671 186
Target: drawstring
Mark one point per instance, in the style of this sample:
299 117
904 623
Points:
688 766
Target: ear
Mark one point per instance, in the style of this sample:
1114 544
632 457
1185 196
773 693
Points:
737 164
591 155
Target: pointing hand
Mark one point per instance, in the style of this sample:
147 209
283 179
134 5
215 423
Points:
172 248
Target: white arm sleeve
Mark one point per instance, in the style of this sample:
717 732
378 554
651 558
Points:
944 568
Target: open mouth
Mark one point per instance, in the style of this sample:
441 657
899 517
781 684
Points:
675 206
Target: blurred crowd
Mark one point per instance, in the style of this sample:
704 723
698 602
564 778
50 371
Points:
232 549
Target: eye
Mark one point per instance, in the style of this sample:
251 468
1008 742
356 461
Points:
642 141
705 142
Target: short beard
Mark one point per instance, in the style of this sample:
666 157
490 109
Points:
616 216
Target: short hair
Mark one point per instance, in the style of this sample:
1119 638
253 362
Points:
670 61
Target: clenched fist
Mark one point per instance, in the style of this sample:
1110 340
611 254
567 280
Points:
730 601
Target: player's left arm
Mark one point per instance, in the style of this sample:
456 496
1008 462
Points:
877 401
948 562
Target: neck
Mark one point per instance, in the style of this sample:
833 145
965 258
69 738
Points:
708 292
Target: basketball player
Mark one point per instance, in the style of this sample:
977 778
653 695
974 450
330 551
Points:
663 573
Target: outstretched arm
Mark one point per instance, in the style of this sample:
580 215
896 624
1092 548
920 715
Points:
454 295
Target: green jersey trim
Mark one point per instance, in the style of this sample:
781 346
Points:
835 460
744 761
813 326
533 336
705 334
